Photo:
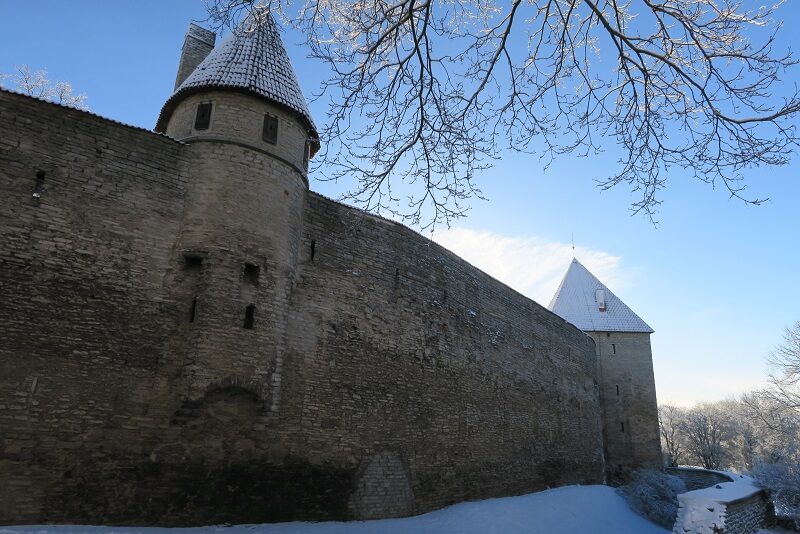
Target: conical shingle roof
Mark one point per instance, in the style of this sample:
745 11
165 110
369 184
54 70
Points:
251 59
576 300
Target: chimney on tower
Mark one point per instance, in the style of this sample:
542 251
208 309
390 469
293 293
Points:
197 44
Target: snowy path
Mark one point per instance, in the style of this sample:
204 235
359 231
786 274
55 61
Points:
569 510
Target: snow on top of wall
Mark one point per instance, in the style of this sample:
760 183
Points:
741 488
703 510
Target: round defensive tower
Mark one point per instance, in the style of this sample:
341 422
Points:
249 136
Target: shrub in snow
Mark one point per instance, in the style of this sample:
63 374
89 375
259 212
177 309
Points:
654 495
782 479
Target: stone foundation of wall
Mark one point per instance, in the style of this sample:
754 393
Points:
696 478
737 507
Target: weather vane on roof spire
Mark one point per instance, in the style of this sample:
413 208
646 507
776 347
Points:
573 245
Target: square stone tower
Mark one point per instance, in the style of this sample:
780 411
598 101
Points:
625 370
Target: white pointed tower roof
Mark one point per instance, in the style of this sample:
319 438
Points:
251 59
586 302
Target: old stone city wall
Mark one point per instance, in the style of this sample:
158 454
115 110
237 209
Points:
401 349
83 319
409 380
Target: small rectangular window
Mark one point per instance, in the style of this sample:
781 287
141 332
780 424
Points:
270 133
203 117
39 187
622 427
251 272
617 390
249 317
306 154
193 310
614 348
192 262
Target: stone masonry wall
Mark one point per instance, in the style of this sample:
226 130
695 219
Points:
83 318
407 379
628 398
697 478
737 507
747 515
397 346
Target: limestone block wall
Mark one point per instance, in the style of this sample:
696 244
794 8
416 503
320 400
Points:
383 375
396 346
737 507
236 117
628 397
83 310
748 515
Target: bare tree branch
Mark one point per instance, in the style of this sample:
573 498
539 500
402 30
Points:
424 94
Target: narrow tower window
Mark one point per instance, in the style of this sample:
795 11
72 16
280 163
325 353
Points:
614 348
38 188
193 310
203 117
270 132
617 390
306 154
622 426
251 272
313 249
249 317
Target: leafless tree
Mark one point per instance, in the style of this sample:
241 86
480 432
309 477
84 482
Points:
776 408
776 424
670 421
747 439
784 364
423 93
35 83
706 430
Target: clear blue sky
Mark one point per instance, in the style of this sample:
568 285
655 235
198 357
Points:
717 280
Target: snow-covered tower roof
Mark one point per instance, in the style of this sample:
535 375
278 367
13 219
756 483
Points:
586 302
251 59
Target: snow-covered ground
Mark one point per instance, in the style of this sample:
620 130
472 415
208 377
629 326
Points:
569 510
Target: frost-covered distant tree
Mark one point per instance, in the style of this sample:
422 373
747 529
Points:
777 409
36 83
747 438
783 480
707 429
670 421
776 427
425 93
784 363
